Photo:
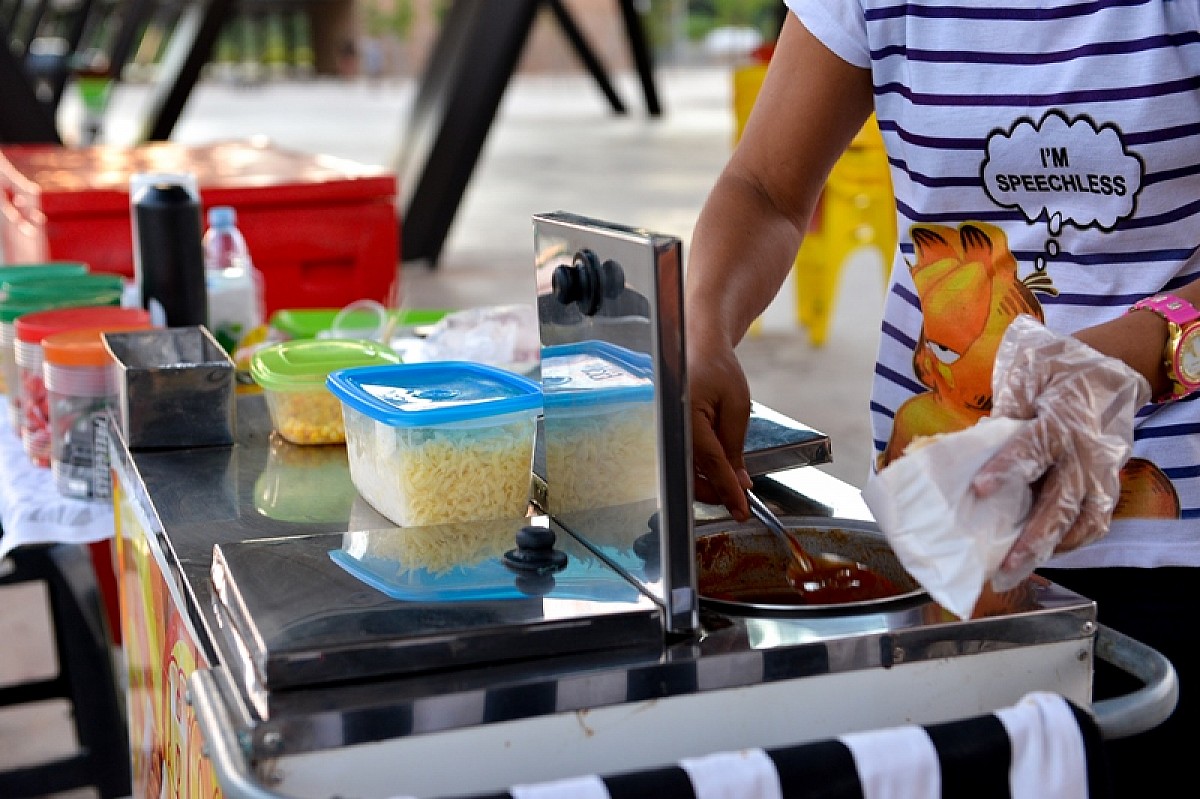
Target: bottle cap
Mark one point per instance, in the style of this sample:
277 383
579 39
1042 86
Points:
222 216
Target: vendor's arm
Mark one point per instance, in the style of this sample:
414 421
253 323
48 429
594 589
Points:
811 104
1138 339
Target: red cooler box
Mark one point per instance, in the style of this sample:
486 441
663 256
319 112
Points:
324 231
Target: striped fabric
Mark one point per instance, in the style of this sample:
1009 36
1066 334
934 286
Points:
1044 747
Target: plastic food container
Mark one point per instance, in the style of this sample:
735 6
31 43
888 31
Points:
599 421
31 329
292 376
81 388
26 299
296 323
440 442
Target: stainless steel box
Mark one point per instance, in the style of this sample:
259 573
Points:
176 388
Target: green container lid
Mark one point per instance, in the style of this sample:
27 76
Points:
310 322
303 364
15 273
26 291
9 311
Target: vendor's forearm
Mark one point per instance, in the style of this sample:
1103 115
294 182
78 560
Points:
733 274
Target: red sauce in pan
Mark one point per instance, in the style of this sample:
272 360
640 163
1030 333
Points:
755 579
832 582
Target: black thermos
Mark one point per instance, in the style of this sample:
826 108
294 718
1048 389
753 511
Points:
168 256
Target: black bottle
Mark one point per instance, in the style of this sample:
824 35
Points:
168 257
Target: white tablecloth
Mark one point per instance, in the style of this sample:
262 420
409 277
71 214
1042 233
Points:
31 509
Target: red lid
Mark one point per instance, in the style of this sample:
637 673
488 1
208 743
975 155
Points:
83 346
58 179
32 328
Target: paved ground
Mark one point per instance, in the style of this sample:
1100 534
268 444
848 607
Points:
554 146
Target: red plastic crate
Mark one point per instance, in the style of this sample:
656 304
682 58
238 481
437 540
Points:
324 231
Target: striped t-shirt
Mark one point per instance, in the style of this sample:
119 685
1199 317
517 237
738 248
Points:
1045 159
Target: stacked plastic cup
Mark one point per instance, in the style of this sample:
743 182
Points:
81 382
31 330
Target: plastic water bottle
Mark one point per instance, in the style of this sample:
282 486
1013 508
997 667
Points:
235 304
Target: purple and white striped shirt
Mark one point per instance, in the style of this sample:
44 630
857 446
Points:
1067 135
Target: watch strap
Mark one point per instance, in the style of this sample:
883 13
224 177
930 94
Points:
1179 313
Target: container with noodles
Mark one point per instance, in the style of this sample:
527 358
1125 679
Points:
439 442
292 375
600 433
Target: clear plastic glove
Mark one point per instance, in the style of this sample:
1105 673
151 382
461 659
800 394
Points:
1082 405
720 408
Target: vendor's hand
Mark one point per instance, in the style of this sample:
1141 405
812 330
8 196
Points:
720 408
1082 404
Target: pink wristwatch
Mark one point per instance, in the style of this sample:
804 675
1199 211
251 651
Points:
1182 352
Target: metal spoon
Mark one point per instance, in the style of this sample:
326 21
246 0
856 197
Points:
801 559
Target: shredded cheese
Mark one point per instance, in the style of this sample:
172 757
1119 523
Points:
435 475
601 460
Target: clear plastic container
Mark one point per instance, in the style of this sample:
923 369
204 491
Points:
81 382
292 376
440 442
31 330
599 420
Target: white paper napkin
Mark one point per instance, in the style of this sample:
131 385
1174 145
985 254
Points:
948 539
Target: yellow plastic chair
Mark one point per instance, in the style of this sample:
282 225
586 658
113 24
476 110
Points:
856 209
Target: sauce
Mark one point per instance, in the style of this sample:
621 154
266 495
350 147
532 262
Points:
833 581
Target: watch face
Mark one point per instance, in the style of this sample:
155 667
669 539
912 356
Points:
1188 357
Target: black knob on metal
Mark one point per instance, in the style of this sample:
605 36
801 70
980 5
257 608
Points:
582 283
535 552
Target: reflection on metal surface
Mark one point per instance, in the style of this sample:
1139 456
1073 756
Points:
322 609
616 436
304 483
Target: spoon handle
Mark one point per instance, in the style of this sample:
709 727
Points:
772 523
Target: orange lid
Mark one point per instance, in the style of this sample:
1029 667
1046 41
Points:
33 327
82 346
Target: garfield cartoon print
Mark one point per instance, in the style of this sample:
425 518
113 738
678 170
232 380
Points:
970 291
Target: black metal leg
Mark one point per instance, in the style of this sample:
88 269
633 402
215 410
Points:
483 50
201 23
585 53
642 58
86 678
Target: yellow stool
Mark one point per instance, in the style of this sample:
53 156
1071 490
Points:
856 209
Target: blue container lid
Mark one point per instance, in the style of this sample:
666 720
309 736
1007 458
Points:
592 373
439 392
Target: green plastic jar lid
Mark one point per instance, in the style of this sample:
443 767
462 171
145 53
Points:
311 322
17 273
62 286
303 364
10 311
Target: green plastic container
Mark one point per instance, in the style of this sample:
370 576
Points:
13 273
18 299
50 289
305 323
292 376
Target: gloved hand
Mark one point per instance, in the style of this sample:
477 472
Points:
720 412
1082 404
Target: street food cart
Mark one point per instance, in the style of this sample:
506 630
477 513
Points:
284 639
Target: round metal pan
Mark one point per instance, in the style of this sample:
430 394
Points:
732 558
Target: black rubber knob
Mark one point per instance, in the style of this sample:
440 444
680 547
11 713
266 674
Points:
535 552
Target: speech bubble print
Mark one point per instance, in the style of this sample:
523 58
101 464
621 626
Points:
1064 171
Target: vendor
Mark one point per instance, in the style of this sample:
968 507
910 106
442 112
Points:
1045 168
